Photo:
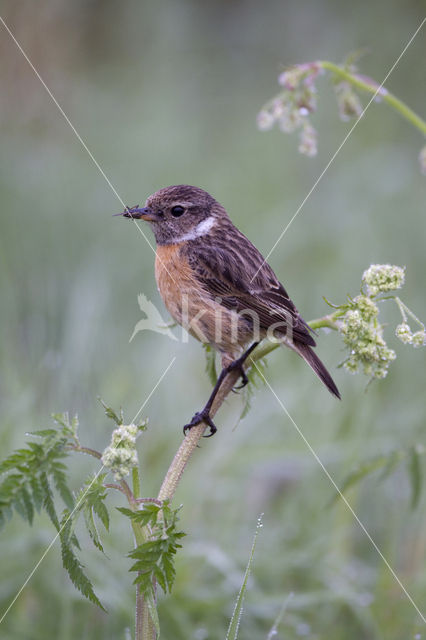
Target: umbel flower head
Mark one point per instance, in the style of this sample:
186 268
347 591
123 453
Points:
380 278
363 334
293 106
121 455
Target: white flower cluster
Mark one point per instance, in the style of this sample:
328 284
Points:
121 455
364 336
291 108
379 278
403 332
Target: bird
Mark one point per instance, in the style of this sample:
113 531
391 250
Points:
217 285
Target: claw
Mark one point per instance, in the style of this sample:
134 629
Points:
204 415
198 418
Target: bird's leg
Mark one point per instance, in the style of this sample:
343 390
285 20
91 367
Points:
204 414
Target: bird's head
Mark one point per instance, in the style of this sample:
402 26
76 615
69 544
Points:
178 213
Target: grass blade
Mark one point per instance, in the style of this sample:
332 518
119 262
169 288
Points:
238 609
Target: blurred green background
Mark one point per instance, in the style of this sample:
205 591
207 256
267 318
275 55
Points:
166 93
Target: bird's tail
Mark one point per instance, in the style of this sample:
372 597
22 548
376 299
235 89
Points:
309 355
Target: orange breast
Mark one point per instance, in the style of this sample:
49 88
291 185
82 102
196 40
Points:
200 313
174 278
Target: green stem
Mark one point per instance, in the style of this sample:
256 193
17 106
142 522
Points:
136 483
144 627
90 452
372 88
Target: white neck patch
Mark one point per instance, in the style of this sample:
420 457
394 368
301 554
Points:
201 229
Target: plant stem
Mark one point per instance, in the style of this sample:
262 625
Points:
136 483
191 441
90 452
144 627
371 87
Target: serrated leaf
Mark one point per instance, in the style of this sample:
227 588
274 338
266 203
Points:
91 528
60 481
15 460
28 505
48 500
43 433
155 557
110 413
36 492
102 513
77 575
415 472
127 512
147 515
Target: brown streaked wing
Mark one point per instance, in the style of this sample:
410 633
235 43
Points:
226 265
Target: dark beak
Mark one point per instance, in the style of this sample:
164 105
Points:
137 213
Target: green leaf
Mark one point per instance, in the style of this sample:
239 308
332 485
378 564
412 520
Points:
90 501
69 428
210 354
415 472
102 513
155 557
91 528
37 493
48 500
42 433
76 573
148 514
60 480
28 504
110 413
238 609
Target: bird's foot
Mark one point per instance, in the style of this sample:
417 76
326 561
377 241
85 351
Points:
238 365
198 418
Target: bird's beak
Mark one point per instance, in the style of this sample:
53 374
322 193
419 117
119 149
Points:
138 213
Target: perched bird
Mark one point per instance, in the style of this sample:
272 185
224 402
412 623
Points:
216 284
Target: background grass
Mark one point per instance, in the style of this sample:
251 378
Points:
165 93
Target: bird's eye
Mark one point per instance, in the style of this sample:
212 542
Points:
177 211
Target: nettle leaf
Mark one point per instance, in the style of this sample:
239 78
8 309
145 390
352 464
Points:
60 480
48 500
110 413
155 557
72 564
210 354
148 515
36 492
90 502
32 477
68 427
30 473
